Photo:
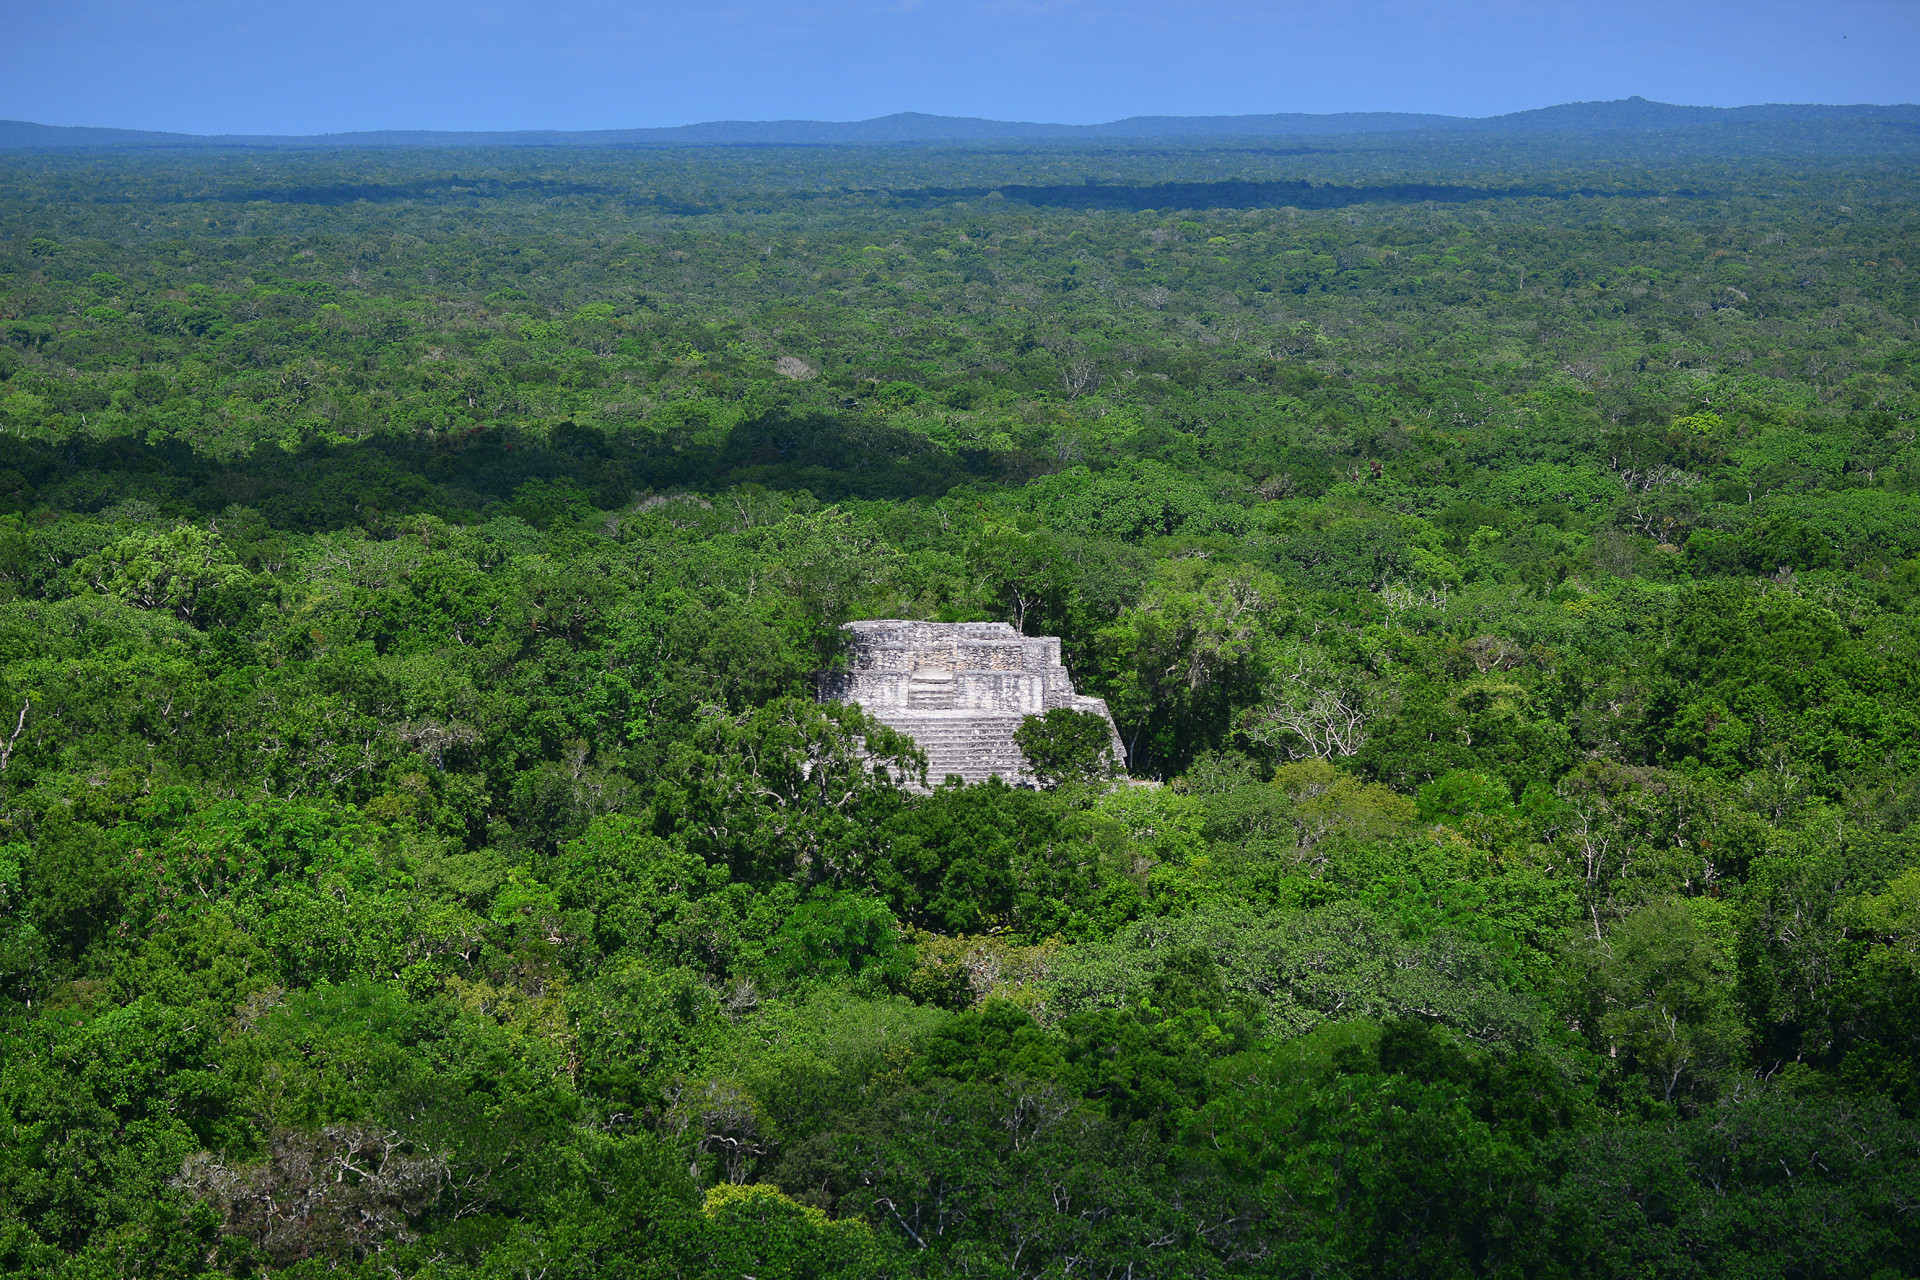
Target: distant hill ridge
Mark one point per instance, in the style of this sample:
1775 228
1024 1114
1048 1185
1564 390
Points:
1624 115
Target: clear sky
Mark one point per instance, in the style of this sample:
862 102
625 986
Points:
314 66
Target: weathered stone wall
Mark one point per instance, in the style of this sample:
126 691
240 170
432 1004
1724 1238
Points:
960 689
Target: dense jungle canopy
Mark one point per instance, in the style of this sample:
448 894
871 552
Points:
421 853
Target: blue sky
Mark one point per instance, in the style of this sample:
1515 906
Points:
301 66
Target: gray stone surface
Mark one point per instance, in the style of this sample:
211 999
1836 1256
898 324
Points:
959 689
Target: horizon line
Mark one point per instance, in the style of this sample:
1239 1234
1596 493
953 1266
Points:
1438 118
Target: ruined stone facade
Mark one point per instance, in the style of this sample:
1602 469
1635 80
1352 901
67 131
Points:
959 689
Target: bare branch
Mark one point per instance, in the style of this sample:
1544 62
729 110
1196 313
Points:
6 752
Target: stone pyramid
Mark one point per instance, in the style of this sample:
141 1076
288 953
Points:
959 689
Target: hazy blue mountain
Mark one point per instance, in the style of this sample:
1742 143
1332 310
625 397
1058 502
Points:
1624 115
1639 114
20 135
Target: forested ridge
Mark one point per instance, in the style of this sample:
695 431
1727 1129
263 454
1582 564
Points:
422 854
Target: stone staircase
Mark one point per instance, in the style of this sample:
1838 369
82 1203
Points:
974 746
930 689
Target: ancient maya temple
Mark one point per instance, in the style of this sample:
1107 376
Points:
959 689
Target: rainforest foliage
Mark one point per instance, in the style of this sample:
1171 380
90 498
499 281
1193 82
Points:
421 853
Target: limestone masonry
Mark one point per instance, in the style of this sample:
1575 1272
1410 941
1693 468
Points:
959 689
